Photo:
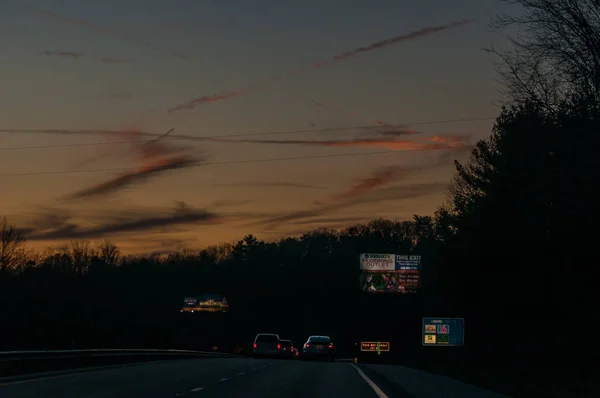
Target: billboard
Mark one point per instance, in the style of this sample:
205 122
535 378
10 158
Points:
377 262
390 273
205 303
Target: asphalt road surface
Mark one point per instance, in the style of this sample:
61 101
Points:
242 378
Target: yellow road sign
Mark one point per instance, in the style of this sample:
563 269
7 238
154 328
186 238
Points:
430 339
372 345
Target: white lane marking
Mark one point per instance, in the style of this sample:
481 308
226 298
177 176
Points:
370 382
223 379
241 373
197 389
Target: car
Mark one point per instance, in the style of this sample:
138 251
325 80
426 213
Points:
266 345
287 349
319 347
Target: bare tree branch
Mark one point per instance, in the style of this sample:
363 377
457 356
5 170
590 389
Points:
12 247
555 54
109 252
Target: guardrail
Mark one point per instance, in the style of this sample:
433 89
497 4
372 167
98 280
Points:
23 362
48 354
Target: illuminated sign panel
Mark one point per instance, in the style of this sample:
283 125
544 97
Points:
443 332
390 273
206 303
372 346
378 262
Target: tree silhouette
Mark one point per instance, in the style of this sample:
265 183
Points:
556 53
109 253
12 247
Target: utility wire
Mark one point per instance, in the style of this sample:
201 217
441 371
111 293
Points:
202 138
264 160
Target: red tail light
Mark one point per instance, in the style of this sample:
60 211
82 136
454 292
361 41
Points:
279 346
307 345
254 345
330 345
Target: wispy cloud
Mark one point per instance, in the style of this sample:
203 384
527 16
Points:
199 28
109 60
394 140
389 130
365 191
103 31
380 177
337 58
407 191
136 176
121 96
328 221
378 126
61 54
231 202
191 137
77 55
65 226
391 143
156 159
148 246
274 184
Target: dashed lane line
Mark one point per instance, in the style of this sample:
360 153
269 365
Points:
198 389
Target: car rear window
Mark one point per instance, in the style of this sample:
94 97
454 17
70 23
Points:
286 343
323 340
267 338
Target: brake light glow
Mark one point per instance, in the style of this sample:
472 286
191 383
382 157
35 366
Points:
330 345
254 345
307 345
279 346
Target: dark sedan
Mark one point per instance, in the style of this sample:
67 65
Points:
287 349
319 347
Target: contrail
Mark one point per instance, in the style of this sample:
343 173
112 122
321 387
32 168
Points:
156 158
50 227
340 57
396 144
104 31
379 178
61 53
136 176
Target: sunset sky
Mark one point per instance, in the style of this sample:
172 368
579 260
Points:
80 73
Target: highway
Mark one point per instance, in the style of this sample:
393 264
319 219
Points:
243 378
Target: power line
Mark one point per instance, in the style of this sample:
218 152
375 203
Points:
207 163
202 138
